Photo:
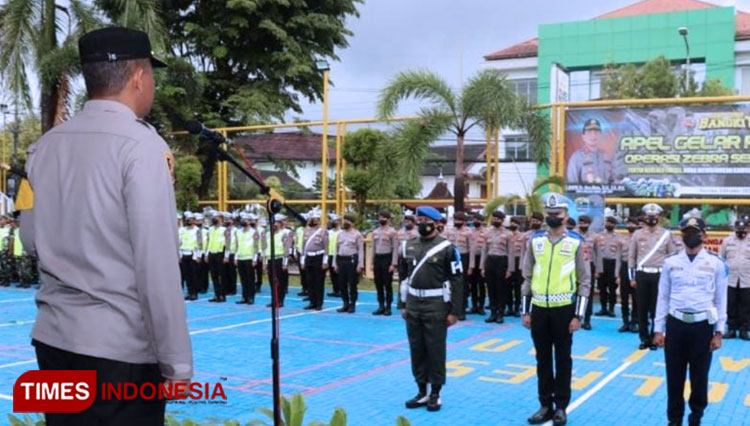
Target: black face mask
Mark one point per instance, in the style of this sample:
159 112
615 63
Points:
536 226
652 221
383 222
583 228
632 229
497 224
554 221
513 227
458 225
214 221
609 227
741 234
692 240
313 224
347 225
409 226
477 224
426 229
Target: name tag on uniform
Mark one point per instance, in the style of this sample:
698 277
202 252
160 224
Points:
566 248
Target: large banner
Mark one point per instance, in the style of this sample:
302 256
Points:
679 151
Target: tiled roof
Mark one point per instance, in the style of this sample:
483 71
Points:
529 48
439 192
291 146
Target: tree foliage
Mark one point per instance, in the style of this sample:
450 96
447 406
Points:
487 101
187 173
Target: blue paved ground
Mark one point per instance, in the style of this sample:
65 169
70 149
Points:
361 363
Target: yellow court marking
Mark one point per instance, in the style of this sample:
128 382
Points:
487 346
516 377
580 383
732 366
636 355
649 386
716 391
594 354
747 401
459 368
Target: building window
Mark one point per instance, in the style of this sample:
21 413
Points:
515 209
745 81
525 88
517 147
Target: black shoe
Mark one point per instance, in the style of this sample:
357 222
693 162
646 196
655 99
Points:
542 416
302 293
388 312
643 346
231 293
732 334
379 311
342 309
462 317
675 423
215 299
481 312
306 299
492 317
602 313
634 328
270 305
241 302
653 347
517 312
560 417
744 336
251 302
625 328
418 401
434 403
586 326
500 319
611 313
24 286
318 308
310 306
473 310
191 297
334 294
508 312
352 309
223 299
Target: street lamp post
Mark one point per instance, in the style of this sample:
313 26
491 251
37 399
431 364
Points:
322 65
683 31
4 111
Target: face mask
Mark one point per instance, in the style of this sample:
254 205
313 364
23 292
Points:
632 229
477 224
741 234
426 229
536 226
652 221
458 224
409 226
583 228
496 224
692 240
513 227
313 224
347 225
554 221
214 221
609 227
383 222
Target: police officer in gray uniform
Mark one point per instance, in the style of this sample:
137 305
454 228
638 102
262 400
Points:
110 298
589 165
691 312
433 295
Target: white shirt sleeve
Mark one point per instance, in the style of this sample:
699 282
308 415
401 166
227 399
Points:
720 295
662 303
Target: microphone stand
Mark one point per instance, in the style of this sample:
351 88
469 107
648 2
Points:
274 203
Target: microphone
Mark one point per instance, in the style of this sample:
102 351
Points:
195 127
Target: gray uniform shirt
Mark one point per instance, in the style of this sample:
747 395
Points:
586 167
104 230
737 253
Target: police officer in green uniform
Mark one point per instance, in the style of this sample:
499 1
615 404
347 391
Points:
555 292
433 295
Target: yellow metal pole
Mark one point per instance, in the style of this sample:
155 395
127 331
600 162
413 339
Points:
324 159
690 201
561 111
496 169
487 154
343 173
219 185
301 124
338 167
225 173
553 140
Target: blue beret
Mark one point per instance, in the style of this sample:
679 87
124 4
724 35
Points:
693 222
430 212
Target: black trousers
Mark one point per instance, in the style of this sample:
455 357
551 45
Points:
427 336
334 279
687 345
646 292
189 270
497 285
467 280
282 276
315 278
230 277
348 278
203 272
258 276
105 412
608 285
383 279
627 296
477 286
590 305
738 308
303 280
247 278
513 295
549 330
216 266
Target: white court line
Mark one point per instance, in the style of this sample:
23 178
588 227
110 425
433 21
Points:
13 364
242 324
583 398
8 397
16 300
17 323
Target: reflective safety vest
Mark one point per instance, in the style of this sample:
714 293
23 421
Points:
245 244
278 249
17 244
300 234
189 239
553 283
333 239
216 239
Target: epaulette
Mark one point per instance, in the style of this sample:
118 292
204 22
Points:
145 123
539 233
576 235
673 254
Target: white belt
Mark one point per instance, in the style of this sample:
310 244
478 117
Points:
650 270
315 253
186 252
422 293
689 317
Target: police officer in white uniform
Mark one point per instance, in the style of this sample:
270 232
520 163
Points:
691 313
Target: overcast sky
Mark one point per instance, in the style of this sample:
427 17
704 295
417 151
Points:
447 36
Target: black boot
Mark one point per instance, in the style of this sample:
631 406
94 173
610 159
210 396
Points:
602 312
624 328
418 401
560 417
732 334
586 325
352 308
379 311
342 309
388 311
492 317
480 311
500 319
434 402
241 302
744 336
309 306
542 416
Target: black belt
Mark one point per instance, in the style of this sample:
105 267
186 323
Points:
347 257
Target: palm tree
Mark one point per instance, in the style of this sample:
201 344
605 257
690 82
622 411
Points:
41 36
486 101
532 198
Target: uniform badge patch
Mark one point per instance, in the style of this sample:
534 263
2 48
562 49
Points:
539 246
566 248
170 164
